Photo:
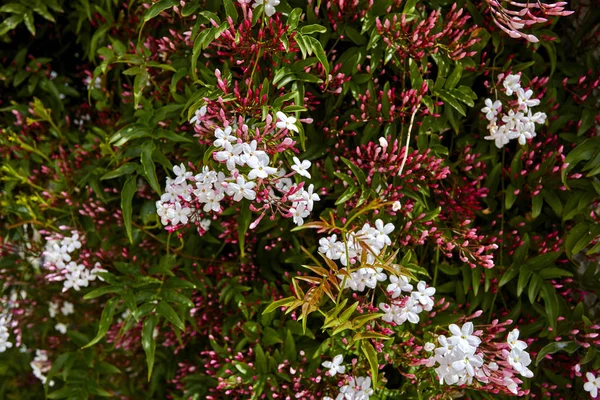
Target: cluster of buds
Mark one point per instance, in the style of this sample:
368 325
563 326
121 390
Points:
516 16
402 104
415 40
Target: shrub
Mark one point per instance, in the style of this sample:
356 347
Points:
284 199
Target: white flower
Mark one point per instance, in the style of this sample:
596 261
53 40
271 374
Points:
205 223
491 109
229 155
356 389
538 117
181 174
301 167
514 342
299 212
511 385
519 360
383 232
335 366
52 309
201 112
69 244
429 346
396 206
423 295
67 308
525 100
499 134
398 285
212 202
286 122
179 214
383 142
591 385
269 6
223 136
331 247
468 363
4 335
512 84
260 168
241 189
310 197
62 328
463 338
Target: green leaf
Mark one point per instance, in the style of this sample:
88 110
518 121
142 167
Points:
279 303
551 348
170 315
551 304
124 169
148 165
358 173
164 266
454 77
409 6
29 22
294 18
260 360
105 321
102 291
508 275
289 347
371 355
159 7
308 29
317 48
148 342
371 335
537 203
230 9
129 189
243 224
416 80
177 298
588 116
451 101
347 195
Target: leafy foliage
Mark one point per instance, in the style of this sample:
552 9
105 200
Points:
104 101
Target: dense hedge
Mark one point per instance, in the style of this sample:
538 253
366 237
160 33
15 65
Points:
349 199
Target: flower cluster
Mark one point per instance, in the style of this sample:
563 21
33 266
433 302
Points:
66 309
248 174
4 334
407 307
41 365
60 258
355 389
519 122
461 359
366 244
372 238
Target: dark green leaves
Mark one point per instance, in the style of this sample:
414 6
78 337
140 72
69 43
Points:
148 342
129 189
159 7
149 167
170 315
105 321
